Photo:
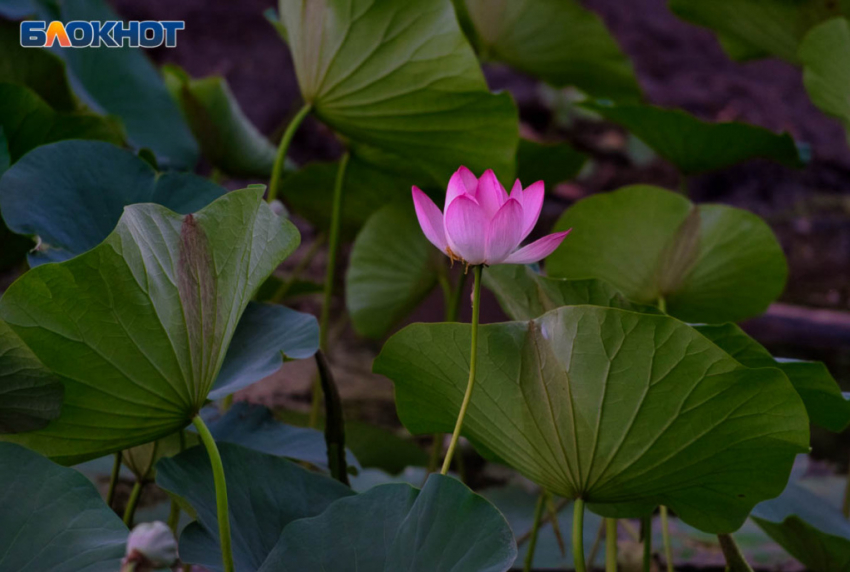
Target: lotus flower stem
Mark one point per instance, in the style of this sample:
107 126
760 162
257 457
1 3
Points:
223 513
113 479
535 528
610 545
578 535
473 359
646 529
132 503
665 534
280 159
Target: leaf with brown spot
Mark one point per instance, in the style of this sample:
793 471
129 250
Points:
137 328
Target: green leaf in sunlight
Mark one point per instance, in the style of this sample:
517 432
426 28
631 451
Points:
71 194
525 294
826 405
552 163
696 146
137 328
625 410
824 53
227 137
392 269
30 395
811 529
773 27
711 263
29 122
558 41
401 77
265 493
53 519
443 507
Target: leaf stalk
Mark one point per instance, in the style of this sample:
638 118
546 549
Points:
223 513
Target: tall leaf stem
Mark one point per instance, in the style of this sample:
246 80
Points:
473 360
133 502
222 513
665 535
330 276
113 479
280 159
610 545
334 421
535 529
578 535
735 561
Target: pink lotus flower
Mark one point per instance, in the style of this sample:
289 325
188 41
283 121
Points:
482 224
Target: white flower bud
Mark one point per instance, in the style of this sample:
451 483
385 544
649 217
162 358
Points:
151 546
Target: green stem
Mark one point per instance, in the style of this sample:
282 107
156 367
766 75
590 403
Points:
735 561
451 303
535 528
280 159
662 304
220 492
334 421
610 545
578 535
646 529
130 509
113 479
665 535
473 359
330 274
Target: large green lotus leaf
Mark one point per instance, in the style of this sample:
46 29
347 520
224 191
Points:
392 269
53 519
264 492
696 146
826 405
711 263
625 410
266 335
383 530
401 77
29 122
551 163
123 82
773 27
72 193
525 294
811 529
30 395
39 70
309 193
558 41
227 137
138 327
823 53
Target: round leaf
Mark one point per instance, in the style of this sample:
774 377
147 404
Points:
711 263
696 146
53 519
138 327
383 530
558 41
72 193
392 269
401 77
823 54
264 492
625 410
